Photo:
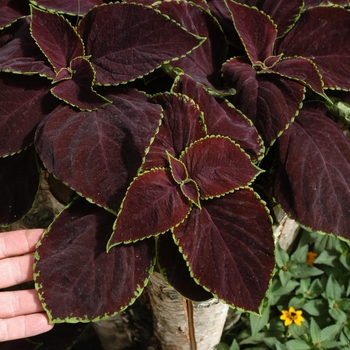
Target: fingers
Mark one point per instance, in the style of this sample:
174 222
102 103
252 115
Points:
19 242
16 270
21 302
23 326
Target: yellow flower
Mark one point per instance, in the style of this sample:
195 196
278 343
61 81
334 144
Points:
311 257
291 316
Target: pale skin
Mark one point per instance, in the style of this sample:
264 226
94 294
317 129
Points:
21 313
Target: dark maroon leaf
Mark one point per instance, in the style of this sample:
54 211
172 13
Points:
178 169
204 63
76 7
302 70
56 38
314 188
99 153
19 52
190 189
173 267
314 3
78 91
24 102
222 118
256 31
136 45
181 125
218 166
271 101
323 35
229 247
152 205
220 11
283 13
19 182
71 264
12 10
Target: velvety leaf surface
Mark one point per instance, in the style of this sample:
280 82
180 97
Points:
152 205
72 265
218 166
283 13
204 63
269 100
256 31
11 11
181 125
221 12
68 6
138 46
314 3
87 150
323 35
19 182
173 266
314 189
56 38
78 91
302 70
178 169
24 103
229 247
19 52
190 189
222 118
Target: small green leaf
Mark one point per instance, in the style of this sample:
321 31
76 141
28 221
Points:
300 255
333 289
315 331
234 345
297 344
315 307
330 333
326 257
282 257
258 322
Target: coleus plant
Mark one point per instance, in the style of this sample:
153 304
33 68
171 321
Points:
170 174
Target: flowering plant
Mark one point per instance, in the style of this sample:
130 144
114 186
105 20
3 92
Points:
307 306
177 126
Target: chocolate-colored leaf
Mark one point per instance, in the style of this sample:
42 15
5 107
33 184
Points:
229 247
72 265
181 125
222 117
76 7
190 189
256 31
322 34
302 70
78 91
24 103
173 266
99 153
11 11
271 101
283 13
136 45
19 182
19 52
314 188
218 166
178 169
314 3
204 63
56 38
152 205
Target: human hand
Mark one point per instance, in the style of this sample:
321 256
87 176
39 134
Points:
21 313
